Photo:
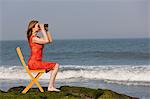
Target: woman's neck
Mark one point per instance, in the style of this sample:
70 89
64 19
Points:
34 33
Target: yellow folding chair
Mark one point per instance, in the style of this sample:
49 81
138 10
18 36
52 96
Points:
34 79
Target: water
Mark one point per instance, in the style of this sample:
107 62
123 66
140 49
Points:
108 62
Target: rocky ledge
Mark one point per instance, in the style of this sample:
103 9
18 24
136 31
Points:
67 92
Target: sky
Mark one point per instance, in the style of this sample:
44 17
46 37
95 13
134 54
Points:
149 17
77 19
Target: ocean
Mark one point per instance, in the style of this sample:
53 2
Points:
122 65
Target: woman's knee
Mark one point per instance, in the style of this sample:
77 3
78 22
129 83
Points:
57 65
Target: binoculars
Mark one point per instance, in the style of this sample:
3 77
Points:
45 27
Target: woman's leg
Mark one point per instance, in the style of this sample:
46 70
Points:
51 86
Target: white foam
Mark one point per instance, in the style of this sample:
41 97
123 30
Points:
122 74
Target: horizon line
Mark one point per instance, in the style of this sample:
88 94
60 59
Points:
82 38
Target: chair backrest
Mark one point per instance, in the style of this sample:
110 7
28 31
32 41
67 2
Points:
21 58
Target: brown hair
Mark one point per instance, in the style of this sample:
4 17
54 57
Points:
31 25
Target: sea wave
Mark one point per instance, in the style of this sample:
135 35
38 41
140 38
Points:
120 74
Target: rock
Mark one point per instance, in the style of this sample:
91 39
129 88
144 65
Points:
67 92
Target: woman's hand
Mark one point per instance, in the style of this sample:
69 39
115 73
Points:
41 26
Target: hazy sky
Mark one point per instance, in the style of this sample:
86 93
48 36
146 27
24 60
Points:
75 19
149 17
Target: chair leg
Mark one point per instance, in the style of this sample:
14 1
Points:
34 80
38 84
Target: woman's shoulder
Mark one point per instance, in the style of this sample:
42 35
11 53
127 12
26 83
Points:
31 37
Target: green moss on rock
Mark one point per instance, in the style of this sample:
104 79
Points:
67 92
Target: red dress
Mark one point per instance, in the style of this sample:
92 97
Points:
35 61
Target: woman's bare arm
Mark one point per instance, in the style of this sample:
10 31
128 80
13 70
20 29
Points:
49 37
41 40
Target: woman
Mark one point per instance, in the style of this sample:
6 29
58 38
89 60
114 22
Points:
36 44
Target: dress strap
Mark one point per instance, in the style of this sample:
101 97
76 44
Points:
31 37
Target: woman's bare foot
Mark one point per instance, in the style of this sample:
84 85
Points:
53 89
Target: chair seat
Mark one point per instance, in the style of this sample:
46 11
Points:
40 70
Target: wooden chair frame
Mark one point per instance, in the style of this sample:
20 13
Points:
34 79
